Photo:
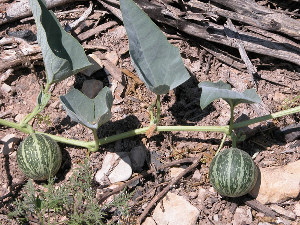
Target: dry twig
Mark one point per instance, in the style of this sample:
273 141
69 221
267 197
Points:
167 188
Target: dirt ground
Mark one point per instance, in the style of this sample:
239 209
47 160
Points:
278 81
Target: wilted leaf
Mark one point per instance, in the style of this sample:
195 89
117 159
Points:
212 91
63 55
157 62
43 98
89 112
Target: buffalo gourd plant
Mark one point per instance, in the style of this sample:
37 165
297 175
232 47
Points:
159 65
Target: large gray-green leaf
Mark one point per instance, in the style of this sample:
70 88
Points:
63 55
89 112
157 62
212 91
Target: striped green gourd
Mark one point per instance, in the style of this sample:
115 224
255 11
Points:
232 172
39 157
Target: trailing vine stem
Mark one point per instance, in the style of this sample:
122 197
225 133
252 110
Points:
96 139
222 143
91 144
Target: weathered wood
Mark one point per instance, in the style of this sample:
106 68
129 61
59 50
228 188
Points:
232 33
215 33
249 12
21 9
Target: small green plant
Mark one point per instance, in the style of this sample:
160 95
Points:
73 203
158 64
43 119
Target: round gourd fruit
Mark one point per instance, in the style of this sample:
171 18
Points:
39 157
232 172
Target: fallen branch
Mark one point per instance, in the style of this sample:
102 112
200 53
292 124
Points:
214 32
21 9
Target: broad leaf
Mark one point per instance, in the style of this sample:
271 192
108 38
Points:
157 62
63 55
212 91
89 112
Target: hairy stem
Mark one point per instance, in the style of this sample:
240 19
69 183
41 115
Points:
106 140
266 117
222 143
96 139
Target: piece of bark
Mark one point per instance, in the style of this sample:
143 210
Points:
263 17
21 9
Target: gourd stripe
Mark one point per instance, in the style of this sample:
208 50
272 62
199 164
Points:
38 149
26 157
47 162
215 171
228 172
240 182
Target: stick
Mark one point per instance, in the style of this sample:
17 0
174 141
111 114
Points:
85 35
232 32
82 18
260 207
167 188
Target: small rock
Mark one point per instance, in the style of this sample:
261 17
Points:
193 195
96 65
9 142
175 210
216 217
112 57
277 184
149 221
288 214
19 117
6 74
197 175
55 104
175 171
202 195
138 157
297 209
91 87
6 88
242 215
281 220
121 172
278 97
